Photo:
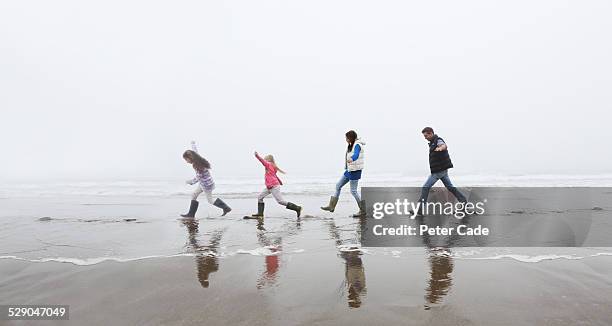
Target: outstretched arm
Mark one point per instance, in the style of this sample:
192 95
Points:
441 148
193 146
265 163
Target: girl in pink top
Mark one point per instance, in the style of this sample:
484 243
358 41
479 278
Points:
273 184
272 180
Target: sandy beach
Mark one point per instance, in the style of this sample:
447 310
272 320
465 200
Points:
131 261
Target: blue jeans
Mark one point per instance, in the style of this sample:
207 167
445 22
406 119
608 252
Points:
433 178
354 183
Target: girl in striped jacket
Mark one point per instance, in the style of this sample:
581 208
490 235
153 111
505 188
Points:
206 183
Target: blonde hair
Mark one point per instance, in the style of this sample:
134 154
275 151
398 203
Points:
270 159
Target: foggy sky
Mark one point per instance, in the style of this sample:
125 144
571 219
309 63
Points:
117 89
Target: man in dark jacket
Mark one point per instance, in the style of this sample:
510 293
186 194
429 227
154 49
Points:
439 163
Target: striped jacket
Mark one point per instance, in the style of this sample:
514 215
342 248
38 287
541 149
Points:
203 177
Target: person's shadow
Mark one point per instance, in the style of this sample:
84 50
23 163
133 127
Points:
206 258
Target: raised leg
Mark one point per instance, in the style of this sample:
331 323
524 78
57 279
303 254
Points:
343 180
278 196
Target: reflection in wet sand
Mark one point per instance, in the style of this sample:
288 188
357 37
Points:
355 278
440 279
354 272
207 261
206 258
441 267
274 244
272 262
440 258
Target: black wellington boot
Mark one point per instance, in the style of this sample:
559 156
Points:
221 204
193 208
297 209
260 210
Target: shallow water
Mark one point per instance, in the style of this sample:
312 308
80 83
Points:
90 229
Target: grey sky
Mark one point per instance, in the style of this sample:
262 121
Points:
117 89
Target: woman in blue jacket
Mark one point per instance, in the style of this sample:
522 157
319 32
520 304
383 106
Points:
353 165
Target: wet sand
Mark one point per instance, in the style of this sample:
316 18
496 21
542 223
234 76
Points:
349 289
284 271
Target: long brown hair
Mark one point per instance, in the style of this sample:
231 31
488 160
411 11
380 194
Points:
352 136
199 163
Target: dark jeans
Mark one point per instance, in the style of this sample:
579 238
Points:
433 178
